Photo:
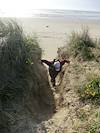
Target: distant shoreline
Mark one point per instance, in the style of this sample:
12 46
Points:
66 14
59 14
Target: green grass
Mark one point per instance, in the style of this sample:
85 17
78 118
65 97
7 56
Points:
91 89
94 127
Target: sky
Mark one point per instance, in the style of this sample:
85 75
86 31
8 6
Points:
22 7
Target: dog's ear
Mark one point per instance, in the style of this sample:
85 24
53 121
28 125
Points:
54 60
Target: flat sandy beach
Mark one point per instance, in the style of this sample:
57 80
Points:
53 33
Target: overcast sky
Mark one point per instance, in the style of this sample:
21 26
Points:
19 7
51 4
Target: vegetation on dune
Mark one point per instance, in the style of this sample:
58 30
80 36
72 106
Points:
24 86
94 127
81 44
80 87
91 89
17 54
81 47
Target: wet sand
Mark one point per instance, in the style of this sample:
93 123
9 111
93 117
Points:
53 33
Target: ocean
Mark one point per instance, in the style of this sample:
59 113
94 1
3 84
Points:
65 14
53 13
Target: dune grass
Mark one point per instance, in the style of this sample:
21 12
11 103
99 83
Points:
17 56
81 45
24 85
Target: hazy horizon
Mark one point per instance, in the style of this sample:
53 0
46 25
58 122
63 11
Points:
58 13
22 8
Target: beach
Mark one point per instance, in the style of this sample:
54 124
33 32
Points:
53 32
28 99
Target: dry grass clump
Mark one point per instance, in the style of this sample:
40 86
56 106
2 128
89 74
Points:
21 73
17 52
24 86
80 45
